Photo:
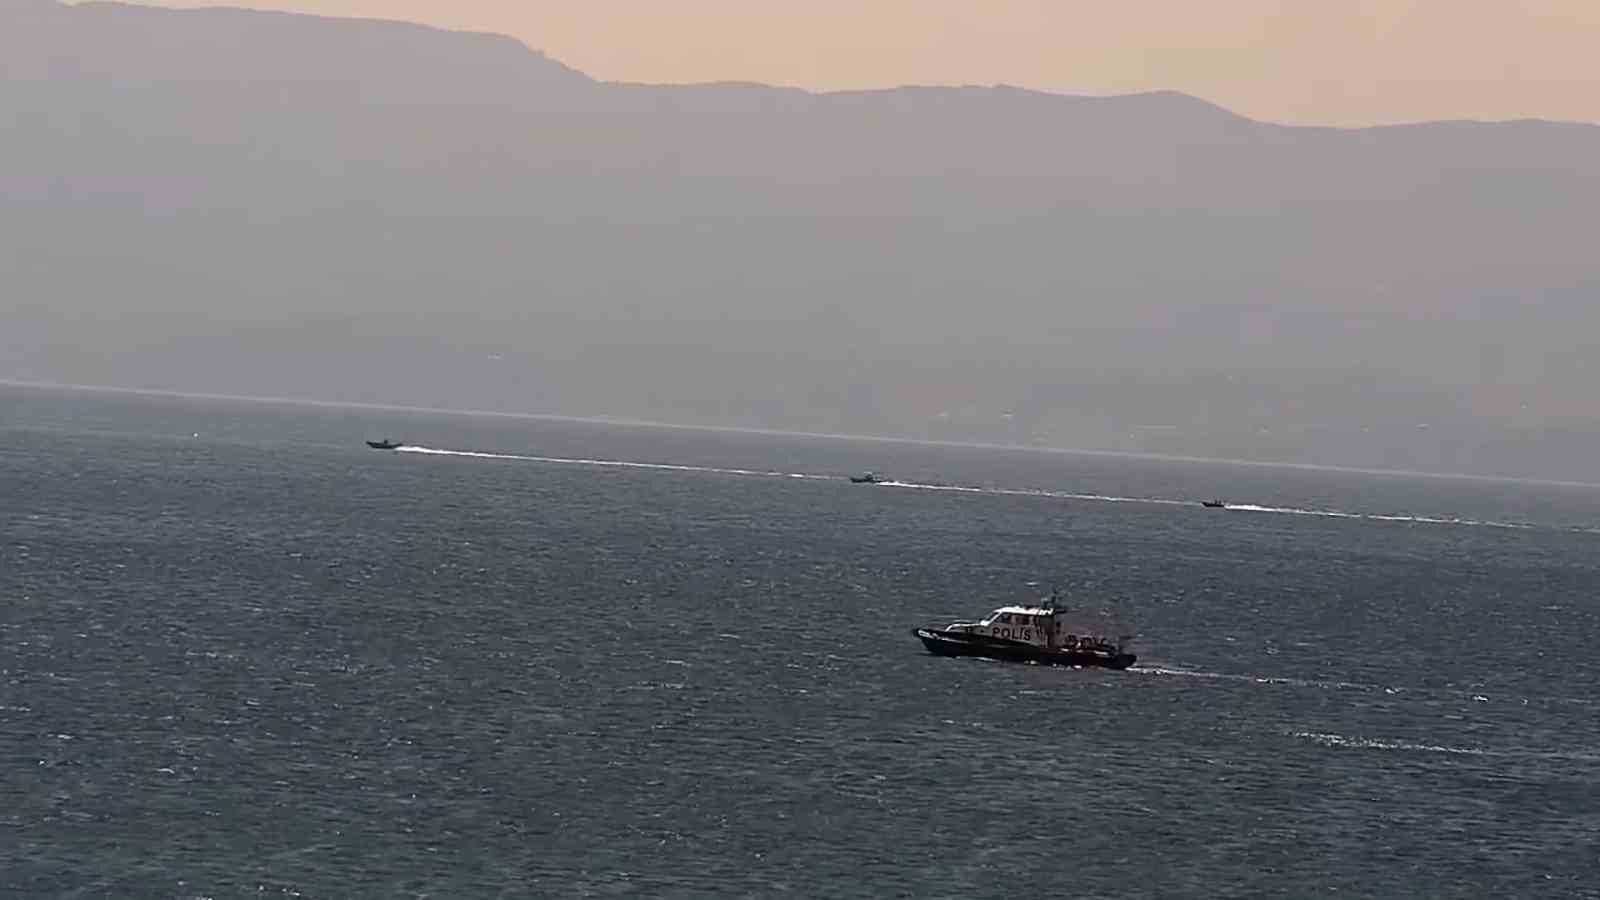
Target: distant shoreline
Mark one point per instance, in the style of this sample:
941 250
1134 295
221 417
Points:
769 432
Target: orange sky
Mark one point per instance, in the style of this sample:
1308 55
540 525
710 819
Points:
1312 61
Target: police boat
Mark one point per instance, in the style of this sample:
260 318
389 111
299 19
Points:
1036 634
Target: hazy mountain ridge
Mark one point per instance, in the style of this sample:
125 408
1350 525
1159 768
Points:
282 204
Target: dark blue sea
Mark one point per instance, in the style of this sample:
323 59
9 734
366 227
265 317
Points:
243 655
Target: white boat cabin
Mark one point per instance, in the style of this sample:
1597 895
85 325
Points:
1037 625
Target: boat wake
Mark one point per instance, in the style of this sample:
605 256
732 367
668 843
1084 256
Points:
1362 743
1327 739
1349 742
607 463
1375 517
987 491
1452 693
1264 679
1019 492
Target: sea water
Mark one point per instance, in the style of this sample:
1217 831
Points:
242 654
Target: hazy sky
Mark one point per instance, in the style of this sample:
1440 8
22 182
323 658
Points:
1314 61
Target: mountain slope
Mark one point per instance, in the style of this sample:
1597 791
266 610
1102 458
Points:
281 204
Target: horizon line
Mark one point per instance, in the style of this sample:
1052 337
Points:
773 432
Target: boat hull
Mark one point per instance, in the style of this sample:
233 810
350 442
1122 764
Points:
945 643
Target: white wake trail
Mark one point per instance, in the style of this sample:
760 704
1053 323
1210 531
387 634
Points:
602 463
989 491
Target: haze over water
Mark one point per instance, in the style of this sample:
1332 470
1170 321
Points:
246 653
433 218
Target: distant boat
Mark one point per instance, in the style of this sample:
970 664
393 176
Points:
385 445
1213 504
865 478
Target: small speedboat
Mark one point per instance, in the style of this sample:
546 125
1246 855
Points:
865 478
1213 504
1036 634
385 445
